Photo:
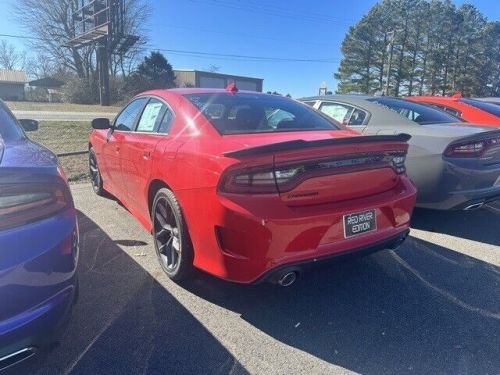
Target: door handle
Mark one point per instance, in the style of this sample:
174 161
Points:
117 149
146 154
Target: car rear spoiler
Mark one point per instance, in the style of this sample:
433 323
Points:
301 144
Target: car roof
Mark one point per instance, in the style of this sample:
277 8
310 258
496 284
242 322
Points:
492 99
347 97
379 113
187 91
430 97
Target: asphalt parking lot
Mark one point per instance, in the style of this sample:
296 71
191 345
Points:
432 307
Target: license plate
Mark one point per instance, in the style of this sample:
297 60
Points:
360 222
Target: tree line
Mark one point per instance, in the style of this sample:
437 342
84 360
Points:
418 47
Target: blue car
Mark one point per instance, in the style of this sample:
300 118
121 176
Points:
38 243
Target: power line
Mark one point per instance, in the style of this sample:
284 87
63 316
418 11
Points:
276 11
257 58
226 56
20 37
293 41
298 13
240 60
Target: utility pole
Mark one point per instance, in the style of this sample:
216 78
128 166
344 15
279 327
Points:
103 67
390 48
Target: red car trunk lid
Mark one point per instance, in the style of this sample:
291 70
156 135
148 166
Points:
330 170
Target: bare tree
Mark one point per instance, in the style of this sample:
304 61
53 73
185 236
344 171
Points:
10 58
41 66
51 25
212 68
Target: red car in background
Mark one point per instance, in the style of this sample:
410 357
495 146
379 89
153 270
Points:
469 110
250 186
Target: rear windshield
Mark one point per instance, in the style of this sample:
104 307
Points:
9 129
245 113
419 113
488 107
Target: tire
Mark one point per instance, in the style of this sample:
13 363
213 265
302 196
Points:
171 237
95 173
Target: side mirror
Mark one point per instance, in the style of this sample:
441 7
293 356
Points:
101 123
29 125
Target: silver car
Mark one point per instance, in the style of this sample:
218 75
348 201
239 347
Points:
454 164
491 100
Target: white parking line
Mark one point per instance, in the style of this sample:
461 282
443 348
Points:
482 251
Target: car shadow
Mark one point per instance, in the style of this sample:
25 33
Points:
480 225
125 322
422 309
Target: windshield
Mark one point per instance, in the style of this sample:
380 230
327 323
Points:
419 113
246 113
9 129
487 107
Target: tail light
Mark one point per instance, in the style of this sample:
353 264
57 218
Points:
398 163
471 149
262 180
24 203
259 180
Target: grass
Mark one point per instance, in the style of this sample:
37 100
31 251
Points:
59 107
64 137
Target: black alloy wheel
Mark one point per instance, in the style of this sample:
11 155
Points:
171 239
95 174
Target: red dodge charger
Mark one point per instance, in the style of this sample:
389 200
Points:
470 110
250 186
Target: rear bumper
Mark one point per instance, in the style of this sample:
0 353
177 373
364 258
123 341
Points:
35 328
391 243
477 197
455 184
240 238
37 281
460 200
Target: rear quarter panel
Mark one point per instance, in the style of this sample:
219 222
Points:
424 162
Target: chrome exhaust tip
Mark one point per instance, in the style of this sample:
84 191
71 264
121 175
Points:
288 278
474 206
16 357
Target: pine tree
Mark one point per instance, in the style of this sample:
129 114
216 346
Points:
490 60
358 71
155 72
437 49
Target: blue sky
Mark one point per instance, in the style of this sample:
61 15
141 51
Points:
285 29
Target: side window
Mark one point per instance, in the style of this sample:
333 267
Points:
408 113
166 122
151 116
337 111
357 118
311 104
127 118
452 111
